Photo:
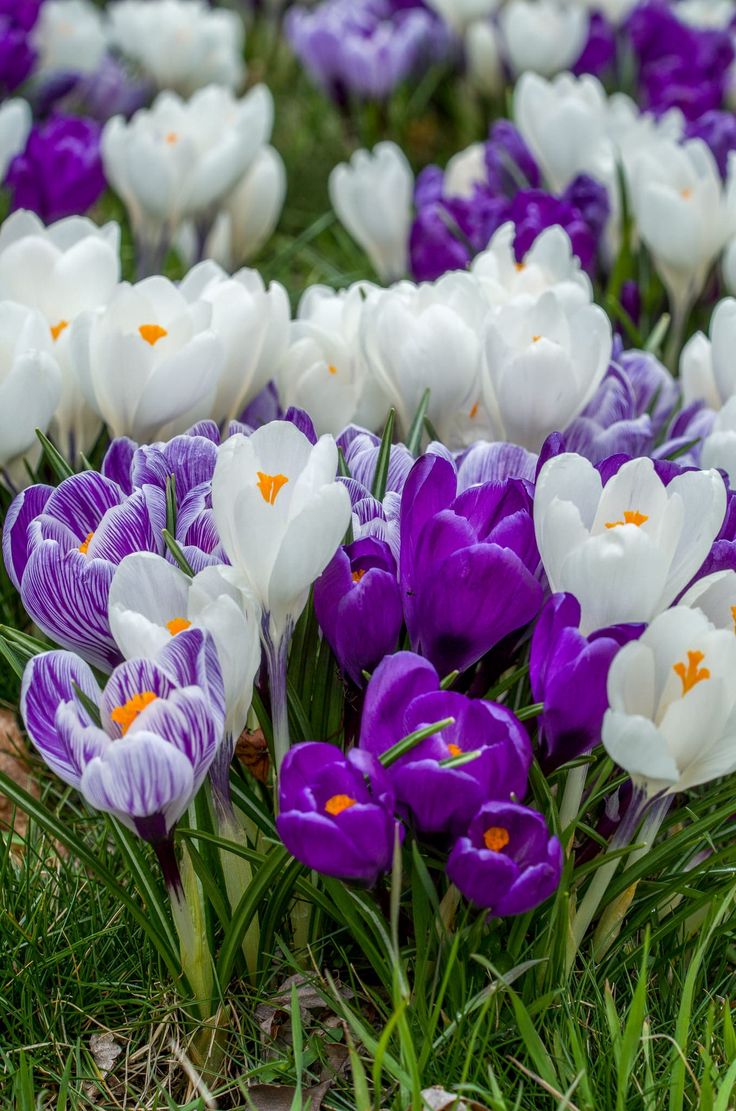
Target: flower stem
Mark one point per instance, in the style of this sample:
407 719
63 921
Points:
277 654
572 796
186 908
605 873
237 872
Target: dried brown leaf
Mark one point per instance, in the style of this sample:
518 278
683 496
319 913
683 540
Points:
105 1051
252 751
280 1097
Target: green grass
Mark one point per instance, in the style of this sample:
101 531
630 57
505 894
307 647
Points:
435 995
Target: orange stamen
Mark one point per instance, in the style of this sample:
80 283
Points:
631 517
536 339
474 411
338 803
358 575
84 546
270 485
496 838
152 333
178 625
57 329
733 615
686 194
519 266
455 750
332 368
125 715
171 137
692 674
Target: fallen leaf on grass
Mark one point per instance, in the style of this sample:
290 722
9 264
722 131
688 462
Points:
252 752
437 1099
105 1051
280 1097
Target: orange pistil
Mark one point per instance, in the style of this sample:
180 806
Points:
536 339
171 137
178 625
125 715
331 368
519 266
358 575
57 329
496 838
474 411
152 333
686 194
454 750
84 546
338 803
270 485
692 674
733 615
631 517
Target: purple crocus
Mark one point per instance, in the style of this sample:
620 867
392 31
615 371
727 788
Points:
403 697
507 863
60 172
336 812
568 673
533 210
61 548
145 752
718 130
468 563
190 458
17 54
358 605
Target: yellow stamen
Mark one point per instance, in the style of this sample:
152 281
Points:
358 575
125 715
178 625
496 838
474 411
338 803
686 194
270 485
631 517
171 137
332 368
152 333
57 329
455 750
692 674
536 339
84 546
519 266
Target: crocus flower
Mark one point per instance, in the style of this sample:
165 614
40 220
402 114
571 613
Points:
15 124
160 722
358 605
281 516
707 368
468 564
61 548
544 36
148 363
30 380
189 459
568 673
17 56
180 44
69 37
718 130
625 549
719 448
549 264
404 696
672 695
508 862
459 14
62 271
372 197
60 171
336 812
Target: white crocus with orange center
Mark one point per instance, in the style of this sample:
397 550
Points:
149 363
280 515
549 264
70 37
626 550
671 722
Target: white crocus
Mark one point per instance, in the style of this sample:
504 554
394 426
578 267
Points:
719 448
459 14
252 322
69 37
427 337
151 600
464 171
62 271
180 159
372 197
281 515
180 44
543 36
707 366
549 264
15 123
148 363
684 213
626 550
715 595
250 213
483 61
544 361
30 383
671 722
325 371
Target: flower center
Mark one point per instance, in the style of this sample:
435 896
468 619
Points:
332 369
496 838
686 194
455 750
692 674
270 485
57 329
474 411
338 803
631 517
171 137
358 575
536 339
177 625
125 715
519 266
84 546
152 333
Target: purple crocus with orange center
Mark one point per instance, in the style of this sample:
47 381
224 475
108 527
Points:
144 754
61 548
336 812
404 696
507 862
